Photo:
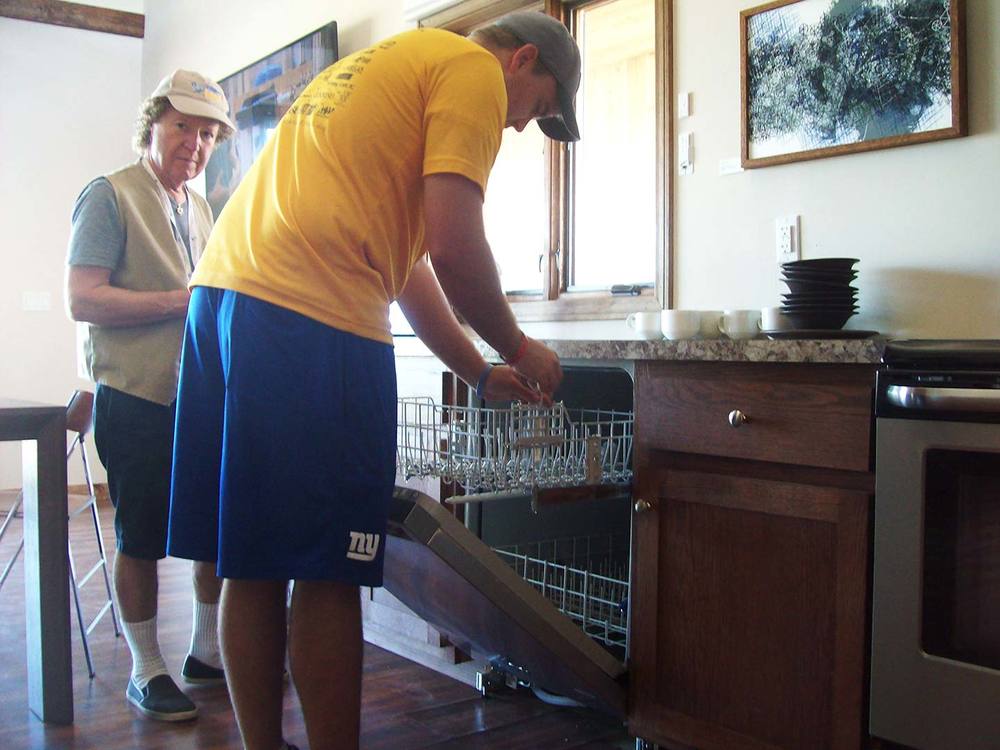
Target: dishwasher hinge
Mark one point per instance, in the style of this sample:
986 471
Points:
500 674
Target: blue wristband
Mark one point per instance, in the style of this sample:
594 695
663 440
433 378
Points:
481 384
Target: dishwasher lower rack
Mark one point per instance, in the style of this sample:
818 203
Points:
517 448
586 578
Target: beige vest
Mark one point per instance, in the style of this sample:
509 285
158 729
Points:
143 360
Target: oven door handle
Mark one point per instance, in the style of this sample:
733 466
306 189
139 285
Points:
944 399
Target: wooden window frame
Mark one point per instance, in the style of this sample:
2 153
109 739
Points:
556 303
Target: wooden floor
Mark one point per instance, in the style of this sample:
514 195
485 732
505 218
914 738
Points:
404 705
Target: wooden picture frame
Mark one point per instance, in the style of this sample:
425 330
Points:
822 78
258 96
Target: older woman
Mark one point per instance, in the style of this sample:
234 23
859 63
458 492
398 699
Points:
136 236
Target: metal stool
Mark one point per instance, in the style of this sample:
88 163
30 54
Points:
79 420
11 515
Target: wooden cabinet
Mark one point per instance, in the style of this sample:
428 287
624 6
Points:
750 565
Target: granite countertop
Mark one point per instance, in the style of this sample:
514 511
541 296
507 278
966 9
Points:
838 351
827 351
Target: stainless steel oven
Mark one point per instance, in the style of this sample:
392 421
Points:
935 675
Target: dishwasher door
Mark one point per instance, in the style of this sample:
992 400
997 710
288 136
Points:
440 570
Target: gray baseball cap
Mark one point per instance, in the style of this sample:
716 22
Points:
561 57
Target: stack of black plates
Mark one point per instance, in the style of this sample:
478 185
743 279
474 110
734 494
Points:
820 295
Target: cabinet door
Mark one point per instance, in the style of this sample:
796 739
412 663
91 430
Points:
748 624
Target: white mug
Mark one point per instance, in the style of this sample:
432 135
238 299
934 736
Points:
710 320
645 324
680 324
773 319
740 324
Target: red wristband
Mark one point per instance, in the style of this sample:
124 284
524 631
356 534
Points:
519 354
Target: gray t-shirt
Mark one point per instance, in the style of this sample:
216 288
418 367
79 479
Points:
182 227
97 236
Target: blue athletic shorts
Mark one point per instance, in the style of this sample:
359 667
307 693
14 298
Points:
284 449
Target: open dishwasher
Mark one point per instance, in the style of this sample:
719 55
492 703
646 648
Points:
537 576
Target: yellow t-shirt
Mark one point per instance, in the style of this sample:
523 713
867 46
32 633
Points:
328 221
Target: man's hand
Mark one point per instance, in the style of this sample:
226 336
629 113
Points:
539 364
505 384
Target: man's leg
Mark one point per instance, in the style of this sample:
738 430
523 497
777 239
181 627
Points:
150 687
133 437
253 650
325 646
203 664
136 591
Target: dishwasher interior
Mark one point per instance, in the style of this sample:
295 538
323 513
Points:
540 493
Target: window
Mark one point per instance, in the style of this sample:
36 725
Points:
581 230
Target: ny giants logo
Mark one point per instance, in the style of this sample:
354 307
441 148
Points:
363 546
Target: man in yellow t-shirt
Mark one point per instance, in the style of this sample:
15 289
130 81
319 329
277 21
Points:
370 190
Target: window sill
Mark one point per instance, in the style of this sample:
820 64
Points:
583 306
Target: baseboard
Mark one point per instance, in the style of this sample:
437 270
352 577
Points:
9 496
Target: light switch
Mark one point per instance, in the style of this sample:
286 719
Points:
685 154
683 104
36 301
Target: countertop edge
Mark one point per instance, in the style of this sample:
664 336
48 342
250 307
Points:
821 351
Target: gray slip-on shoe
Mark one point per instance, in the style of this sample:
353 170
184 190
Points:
197 672
161 699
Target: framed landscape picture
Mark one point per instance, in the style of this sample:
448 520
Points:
826 77
258 96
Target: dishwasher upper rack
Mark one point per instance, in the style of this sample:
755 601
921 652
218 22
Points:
516 448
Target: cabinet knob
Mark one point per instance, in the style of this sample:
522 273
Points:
737 418
641 506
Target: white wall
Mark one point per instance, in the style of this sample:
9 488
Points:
129 6
69 100
923 219
221 37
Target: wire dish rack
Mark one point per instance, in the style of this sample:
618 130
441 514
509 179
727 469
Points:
517 448
586 578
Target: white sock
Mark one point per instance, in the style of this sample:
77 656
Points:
147 662
205 634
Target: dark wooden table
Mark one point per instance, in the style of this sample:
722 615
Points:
41 429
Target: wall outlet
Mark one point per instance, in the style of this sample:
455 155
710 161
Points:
787 232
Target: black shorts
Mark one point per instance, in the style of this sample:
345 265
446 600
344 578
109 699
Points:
134 439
